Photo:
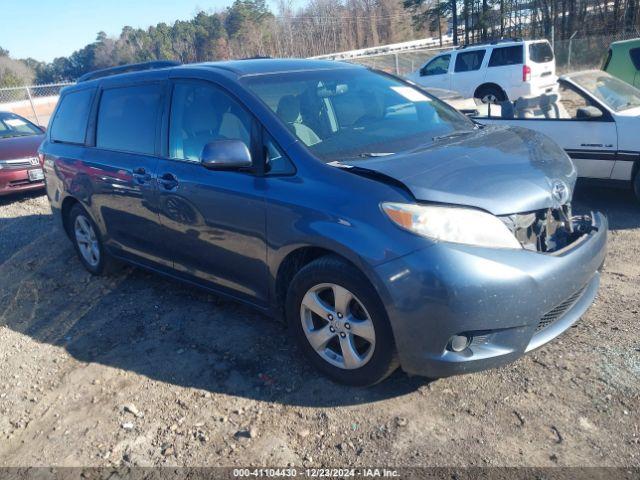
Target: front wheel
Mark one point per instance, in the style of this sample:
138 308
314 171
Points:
340 323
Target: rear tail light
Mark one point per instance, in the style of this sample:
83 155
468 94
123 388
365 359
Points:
526 73
41 158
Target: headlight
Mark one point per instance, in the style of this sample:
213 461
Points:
452 224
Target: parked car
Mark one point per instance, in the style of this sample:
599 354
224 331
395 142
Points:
595 117
387 227
20 166
492 72
623 61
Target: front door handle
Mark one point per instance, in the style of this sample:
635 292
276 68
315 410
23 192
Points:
168 181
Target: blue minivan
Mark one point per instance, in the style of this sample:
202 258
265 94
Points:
384 226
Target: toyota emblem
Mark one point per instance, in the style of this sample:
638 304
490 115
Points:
560 192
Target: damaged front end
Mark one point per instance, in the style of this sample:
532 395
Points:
548 230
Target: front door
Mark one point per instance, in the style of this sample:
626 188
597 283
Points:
214 220
435 74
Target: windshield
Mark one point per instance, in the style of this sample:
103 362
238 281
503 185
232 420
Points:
611 91
351 113
12 125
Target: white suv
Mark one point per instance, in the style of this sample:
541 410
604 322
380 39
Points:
492 72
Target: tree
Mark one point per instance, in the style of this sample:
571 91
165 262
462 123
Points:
431 13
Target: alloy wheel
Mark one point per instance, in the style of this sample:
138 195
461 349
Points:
337 326
87 240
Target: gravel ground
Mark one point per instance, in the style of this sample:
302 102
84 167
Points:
136 369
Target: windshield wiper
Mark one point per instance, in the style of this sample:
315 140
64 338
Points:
452 134
374 154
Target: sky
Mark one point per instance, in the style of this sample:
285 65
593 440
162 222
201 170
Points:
46 29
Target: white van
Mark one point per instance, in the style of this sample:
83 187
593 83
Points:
492 72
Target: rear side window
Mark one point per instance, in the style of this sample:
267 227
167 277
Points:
128 118
634 53
501 57
469 61
69 125
540 52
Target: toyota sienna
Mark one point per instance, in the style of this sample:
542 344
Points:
386 227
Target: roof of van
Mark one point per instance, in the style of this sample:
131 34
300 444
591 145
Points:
261 66
255 66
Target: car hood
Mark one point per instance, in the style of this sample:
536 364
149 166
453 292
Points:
502 170
20 147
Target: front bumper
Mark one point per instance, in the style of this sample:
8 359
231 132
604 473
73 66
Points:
508 301
12 181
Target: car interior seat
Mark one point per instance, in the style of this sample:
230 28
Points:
232 127
289 111
507 110
525 107
201 123
549 105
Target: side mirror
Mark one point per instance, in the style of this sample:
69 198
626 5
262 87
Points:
225 154
588 113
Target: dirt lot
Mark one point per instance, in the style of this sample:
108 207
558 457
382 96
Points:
139 370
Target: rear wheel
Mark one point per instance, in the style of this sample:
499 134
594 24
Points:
88 243
340 323
491 94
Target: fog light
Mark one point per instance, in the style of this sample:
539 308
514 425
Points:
459 342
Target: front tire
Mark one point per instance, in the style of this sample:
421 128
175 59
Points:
340 323
88 243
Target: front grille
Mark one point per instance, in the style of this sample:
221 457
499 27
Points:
552 316
547 230
18 183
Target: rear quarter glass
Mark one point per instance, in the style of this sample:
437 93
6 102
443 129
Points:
69 124
502 56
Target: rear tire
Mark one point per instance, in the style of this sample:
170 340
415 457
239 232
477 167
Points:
491 94
88 243
353 339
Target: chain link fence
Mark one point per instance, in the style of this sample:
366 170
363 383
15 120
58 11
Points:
399 63
35 102
586 53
